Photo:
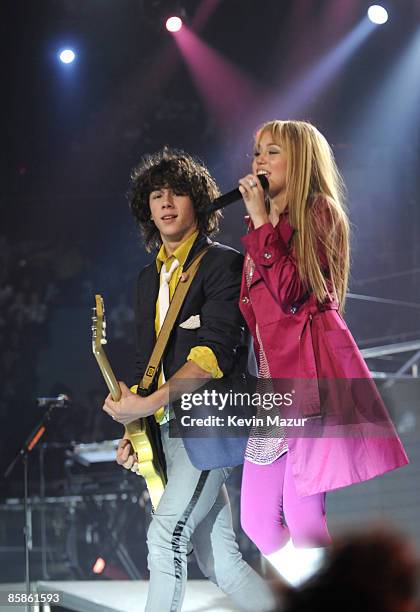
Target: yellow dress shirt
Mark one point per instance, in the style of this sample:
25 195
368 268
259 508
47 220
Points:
203 356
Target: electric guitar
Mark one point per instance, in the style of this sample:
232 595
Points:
138 432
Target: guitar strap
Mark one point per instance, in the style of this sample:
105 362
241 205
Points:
166 329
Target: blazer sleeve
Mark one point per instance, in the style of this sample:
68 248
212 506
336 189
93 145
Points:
222 325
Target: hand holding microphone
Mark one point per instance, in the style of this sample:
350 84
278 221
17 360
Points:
237 194
253 191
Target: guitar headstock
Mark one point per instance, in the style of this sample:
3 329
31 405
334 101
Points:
98 324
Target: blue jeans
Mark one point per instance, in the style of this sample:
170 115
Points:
195 508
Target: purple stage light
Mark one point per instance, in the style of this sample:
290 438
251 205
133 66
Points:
174 24
299 95
226 90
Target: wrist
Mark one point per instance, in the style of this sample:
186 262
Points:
155 401
259 220
144 406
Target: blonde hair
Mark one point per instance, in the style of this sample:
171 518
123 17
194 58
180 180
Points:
315 199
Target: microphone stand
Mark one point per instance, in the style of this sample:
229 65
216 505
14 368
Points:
28 446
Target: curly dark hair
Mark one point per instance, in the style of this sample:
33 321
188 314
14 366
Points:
185 175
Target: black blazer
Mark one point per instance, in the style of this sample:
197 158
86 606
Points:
214 295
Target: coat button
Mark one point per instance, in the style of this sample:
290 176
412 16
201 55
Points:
267 255
245 300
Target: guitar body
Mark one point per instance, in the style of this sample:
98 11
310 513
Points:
148 463
139 432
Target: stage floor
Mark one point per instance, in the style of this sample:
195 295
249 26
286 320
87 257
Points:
124 596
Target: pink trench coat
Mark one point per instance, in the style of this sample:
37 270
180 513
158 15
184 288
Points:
311 341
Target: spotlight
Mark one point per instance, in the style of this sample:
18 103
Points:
377 14
67 56
99 566
296 565
173 24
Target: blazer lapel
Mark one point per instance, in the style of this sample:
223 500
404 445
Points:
200 242
148 293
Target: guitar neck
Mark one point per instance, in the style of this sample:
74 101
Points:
107 373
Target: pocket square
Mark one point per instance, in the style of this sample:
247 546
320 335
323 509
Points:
193 322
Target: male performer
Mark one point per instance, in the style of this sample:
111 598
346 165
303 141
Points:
169 195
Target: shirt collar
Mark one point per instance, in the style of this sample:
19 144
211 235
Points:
181 253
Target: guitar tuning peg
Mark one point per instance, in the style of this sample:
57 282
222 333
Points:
104 340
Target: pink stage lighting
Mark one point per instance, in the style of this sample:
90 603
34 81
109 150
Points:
174 24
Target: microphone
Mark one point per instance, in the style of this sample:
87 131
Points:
234 195
59 401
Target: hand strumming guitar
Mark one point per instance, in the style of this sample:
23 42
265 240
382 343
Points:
126 455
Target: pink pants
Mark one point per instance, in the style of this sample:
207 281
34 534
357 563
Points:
272 512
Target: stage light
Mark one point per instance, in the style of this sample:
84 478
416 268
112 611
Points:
173 24
99 566
377 14
296 565
67 56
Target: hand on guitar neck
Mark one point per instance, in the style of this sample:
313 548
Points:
129 407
